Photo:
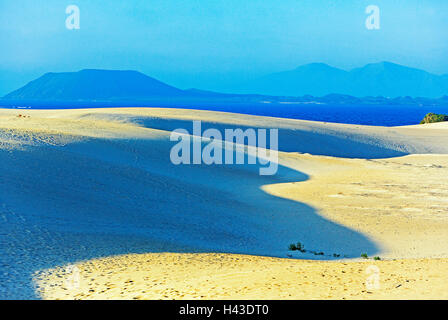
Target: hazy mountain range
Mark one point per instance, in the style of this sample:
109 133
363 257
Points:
381 83
378 79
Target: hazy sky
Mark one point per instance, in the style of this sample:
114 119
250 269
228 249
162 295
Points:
210 44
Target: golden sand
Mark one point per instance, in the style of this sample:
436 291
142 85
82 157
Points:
400 203
226 276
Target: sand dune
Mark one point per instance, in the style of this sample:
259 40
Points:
83 184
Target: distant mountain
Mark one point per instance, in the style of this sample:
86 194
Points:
393 80
316 79
93 85
317 83
377 79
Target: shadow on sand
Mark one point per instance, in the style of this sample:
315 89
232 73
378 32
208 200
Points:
317 142
101 197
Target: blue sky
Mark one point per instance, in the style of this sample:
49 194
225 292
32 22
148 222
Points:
213 44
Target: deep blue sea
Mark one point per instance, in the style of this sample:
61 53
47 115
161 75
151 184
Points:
375 115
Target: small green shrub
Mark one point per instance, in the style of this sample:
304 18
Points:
376 258
433 117
297 247
364 255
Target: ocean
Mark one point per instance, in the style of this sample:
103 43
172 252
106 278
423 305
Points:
374 115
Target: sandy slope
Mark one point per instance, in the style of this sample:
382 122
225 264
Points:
80 184
400 203
226 276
